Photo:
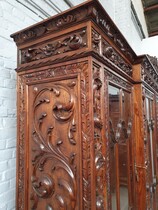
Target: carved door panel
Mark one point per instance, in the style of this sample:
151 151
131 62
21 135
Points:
150 153
54 146
120 157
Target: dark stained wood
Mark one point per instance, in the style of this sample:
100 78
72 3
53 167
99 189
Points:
83 139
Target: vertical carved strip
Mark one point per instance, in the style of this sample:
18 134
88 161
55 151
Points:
107 141
21 146
86 136
98 140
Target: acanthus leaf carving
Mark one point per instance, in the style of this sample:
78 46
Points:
44 185
70 42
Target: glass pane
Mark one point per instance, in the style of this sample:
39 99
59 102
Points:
123 151
114 116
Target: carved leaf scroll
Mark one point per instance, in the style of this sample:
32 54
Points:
47 149
70 42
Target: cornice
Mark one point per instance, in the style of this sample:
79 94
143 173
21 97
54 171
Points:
90 10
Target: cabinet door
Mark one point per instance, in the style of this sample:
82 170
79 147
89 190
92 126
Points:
119 135
53 146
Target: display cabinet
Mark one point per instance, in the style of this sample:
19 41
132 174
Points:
87 107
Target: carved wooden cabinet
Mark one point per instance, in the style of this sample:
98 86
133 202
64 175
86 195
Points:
87 107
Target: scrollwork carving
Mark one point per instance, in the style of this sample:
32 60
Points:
45 184
71 42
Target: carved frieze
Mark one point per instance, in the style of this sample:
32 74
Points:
150 74
113 33
98 139
70 42
103 48
54 72
49 26
115 58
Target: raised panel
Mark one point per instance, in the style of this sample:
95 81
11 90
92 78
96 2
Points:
54 145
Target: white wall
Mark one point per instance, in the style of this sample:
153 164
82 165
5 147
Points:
12 18
150 46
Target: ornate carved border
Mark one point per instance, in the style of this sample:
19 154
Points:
117 80
21 146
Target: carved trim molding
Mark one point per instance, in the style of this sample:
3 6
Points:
70 42
98 140
50 60
117 80
21 146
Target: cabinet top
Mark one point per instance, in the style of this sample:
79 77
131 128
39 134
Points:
90 10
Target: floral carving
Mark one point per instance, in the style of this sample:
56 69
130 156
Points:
71 42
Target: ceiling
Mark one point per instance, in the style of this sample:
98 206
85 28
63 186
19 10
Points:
151 16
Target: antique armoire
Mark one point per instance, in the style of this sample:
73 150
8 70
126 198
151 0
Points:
87 116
